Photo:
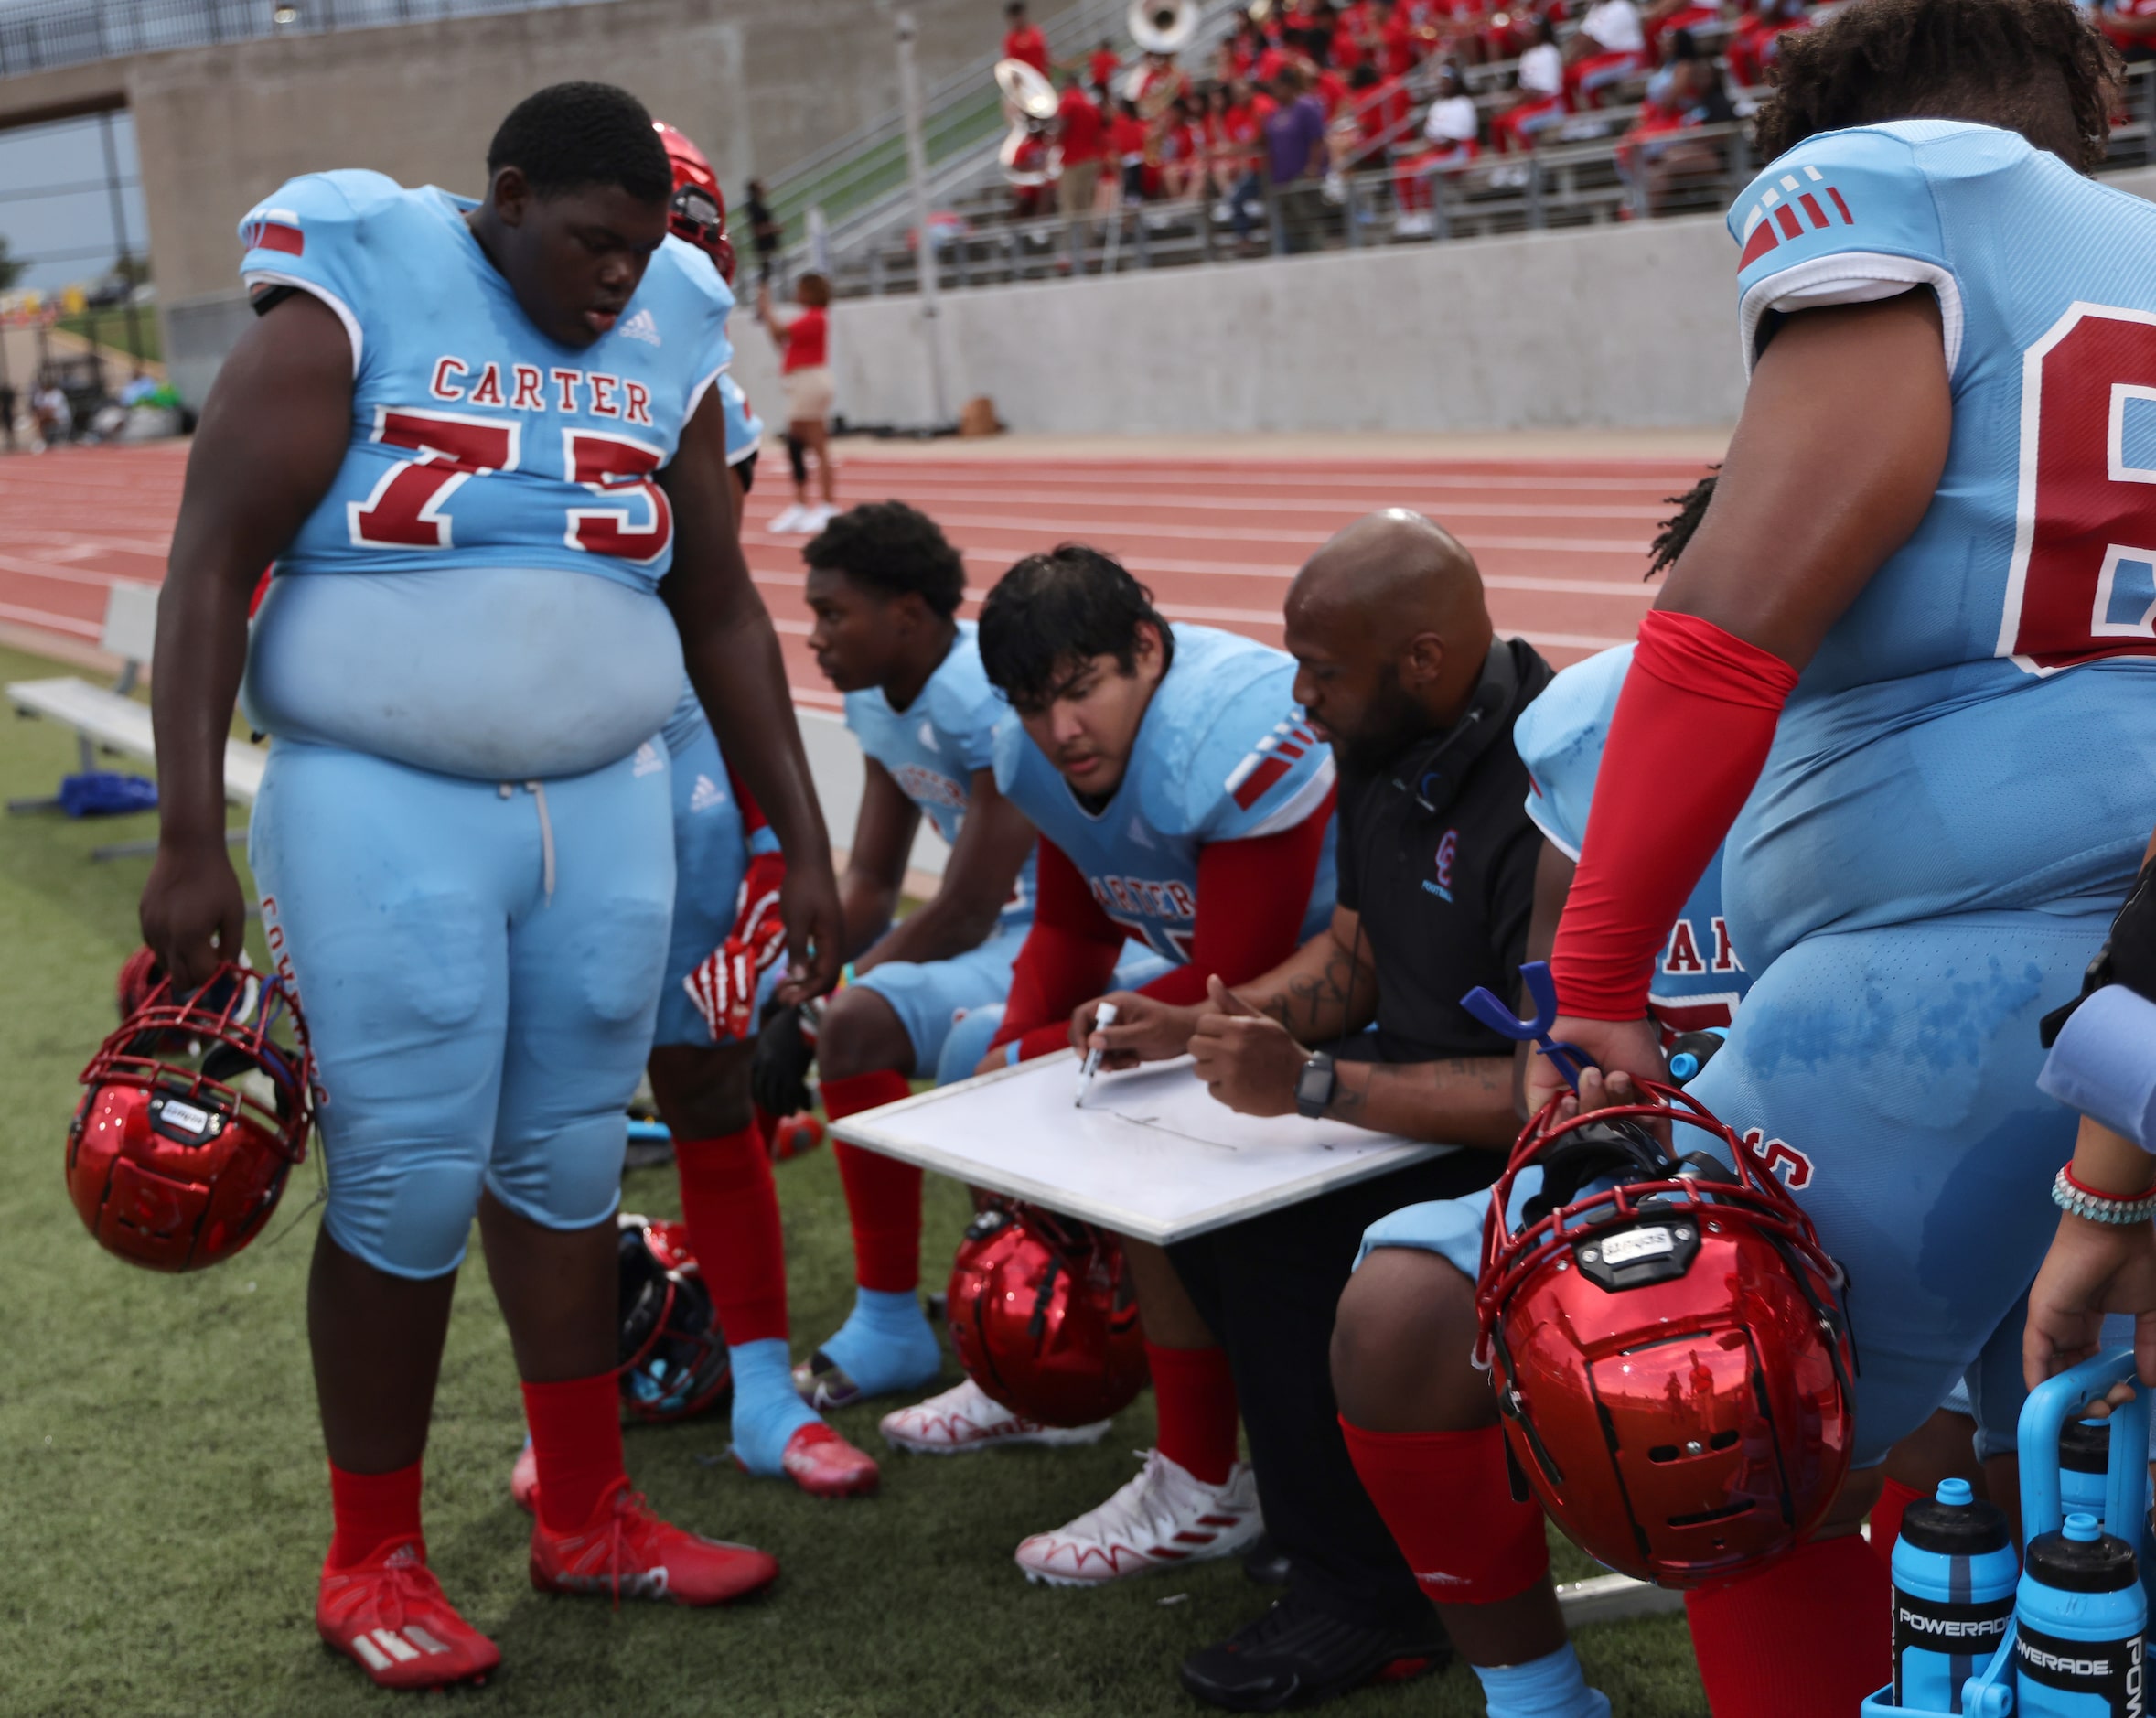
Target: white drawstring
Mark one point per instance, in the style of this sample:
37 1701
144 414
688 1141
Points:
537 789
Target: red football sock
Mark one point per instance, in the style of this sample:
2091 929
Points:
1886 1518
1194 1395
767 1125
732 1207
1806 1635
576 1440
882 1195
372 1510
1447 1500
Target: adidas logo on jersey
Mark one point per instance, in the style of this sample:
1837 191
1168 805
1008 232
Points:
705 795
648 760
640 327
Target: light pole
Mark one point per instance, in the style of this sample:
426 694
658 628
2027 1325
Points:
917 164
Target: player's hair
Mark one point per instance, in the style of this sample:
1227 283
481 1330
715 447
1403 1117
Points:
814 290
569 135
1677 529
895 549
2037 67
1054 610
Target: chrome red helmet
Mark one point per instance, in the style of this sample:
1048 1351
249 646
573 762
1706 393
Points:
1043 1316
673 1354
194 1116
1667 1343
698 212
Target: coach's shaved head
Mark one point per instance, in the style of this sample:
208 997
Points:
1387 625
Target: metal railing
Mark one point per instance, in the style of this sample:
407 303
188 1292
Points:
1568 183
44 34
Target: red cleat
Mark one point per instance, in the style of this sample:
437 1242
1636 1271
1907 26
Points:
624 1549
387 1614
795 1134
824 1465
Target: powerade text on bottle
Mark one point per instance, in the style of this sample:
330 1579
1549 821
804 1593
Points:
1954 1574
2085 1458
2078 1619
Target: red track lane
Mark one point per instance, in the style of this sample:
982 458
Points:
1561 543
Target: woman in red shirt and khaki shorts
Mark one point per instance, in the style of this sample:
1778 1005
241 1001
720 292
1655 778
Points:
804 348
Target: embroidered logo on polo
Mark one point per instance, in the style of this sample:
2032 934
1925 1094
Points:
1448 850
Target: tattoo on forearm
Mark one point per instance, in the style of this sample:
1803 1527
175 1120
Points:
1316 1004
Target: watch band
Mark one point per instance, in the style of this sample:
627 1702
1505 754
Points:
1315 1085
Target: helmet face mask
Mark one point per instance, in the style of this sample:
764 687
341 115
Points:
673 1360
1043 1316
194 1115
1667 1345
697 212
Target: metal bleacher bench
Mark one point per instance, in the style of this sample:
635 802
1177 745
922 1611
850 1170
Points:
108 719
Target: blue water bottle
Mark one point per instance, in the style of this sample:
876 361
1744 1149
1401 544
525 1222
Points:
2078 1619
2084 1458
1954 1572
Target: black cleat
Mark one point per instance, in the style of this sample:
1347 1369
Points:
1266 1564
1296 1655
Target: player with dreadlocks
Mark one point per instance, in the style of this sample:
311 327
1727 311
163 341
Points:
1909 680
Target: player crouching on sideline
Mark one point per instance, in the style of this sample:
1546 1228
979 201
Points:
1401 669
464 833
1922 718
885 587
1179 798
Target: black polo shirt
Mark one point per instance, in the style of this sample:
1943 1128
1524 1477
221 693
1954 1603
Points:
1437 853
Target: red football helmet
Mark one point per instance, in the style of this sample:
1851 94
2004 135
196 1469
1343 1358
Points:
194 1117
1670 1353
1043 1316
673 1354
699 207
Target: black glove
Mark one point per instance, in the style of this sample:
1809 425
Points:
785 1050
2127 956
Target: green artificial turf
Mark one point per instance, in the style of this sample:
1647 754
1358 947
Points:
163 1505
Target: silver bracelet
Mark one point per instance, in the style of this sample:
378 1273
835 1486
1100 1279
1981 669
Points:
2097 1207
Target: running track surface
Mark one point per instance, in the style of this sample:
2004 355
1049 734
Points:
1562 541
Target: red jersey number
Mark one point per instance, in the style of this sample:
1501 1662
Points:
618 467
405 510
2085 543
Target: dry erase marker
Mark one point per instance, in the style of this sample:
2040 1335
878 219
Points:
1103 1017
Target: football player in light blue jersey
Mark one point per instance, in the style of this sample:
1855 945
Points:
472 437
1903 665
1180 799
885 587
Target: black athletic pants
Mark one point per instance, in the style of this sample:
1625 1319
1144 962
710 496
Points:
1268 1288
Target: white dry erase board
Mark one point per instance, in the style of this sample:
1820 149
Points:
1150 1155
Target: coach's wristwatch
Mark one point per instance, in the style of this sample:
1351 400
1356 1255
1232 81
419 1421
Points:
1314 1086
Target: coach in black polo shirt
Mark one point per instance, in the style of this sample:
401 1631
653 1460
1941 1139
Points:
1401 671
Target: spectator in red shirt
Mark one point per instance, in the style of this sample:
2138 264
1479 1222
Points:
2131 26
1128 137
1083 131
1025 41
804 365
1753 44
1101 68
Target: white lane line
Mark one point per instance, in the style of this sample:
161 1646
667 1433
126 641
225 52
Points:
51 622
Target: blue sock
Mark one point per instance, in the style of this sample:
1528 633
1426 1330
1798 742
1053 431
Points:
1549 1687
885 1343
767 1411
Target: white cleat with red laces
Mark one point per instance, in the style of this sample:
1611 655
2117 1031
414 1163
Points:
1163 1516
966 1417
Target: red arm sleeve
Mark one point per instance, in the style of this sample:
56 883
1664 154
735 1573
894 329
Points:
1069 954
1690 734
1242 930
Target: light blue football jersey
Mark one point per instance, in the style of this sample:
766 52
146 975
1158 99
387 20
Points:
932 748
745 429
1699 980
1222 755
477 441
1979 730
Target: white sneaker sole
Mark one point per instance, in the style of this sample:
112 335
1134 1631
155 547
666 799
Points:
1048 1437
